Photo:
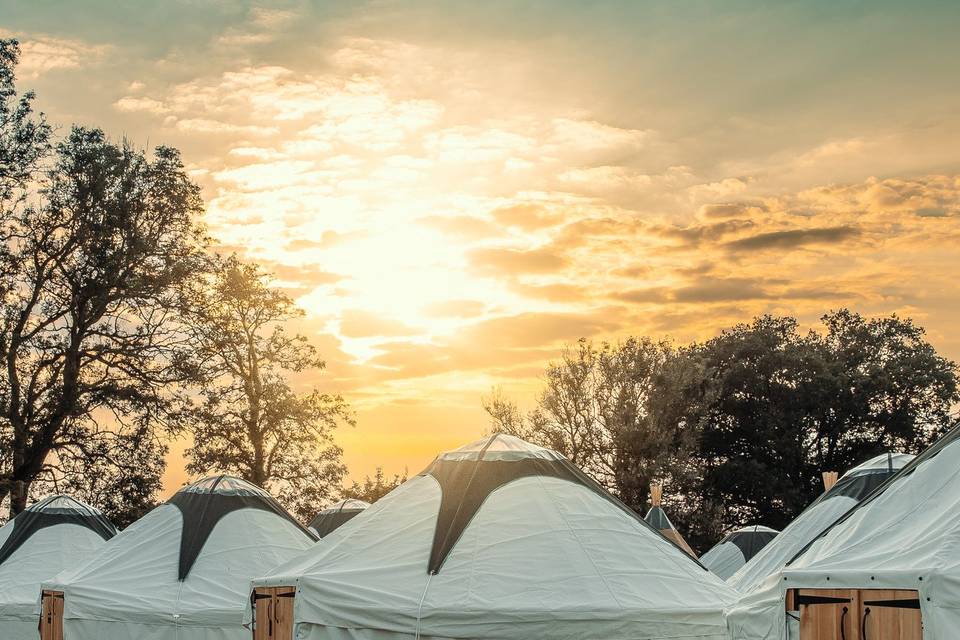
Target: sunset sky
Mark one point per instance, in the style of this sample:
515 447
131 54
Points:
453 190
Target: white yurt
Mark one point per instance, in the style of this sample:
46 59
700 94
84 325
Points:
889 569
852 487
657 518
736 549
49 536
498 539
183 571
337 515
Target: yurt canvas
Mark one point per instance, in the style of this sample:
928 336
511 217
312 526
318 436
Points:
183 571
53 534
736 548
498 539
336 515
889 569
657 518
852 487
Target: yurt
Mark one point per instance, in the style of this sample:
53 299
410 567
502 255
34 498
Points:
49 536
336 515
183 571
498 539
839 498
736 548
657 518
889 569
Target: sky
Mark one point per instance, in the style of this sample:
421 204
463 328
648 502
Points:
452 191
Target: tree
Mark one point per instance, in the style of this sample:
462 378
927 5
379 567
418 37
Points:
372 489
24 136
614 411
783 407
249 420
740 426
89 337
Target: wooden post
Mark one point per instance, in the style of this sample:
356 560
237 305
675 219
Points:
829 479
656 494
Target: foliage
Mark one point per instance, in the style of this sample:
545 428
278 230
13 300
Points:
88 325
740 426
249 419
374 488
613 410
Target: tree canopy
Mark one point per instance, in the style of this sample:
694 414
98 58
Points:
740 426
250 420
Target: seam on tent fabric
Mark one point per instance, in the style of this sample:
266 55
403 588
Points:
423 597
579 542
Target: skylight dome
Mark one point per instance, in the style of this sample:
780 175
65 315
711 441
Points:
225 486
500 446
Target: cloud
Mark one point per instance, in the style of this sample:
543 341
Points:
517 261
41 53
356 323
794 238
527 216
726 210
455 308
468 227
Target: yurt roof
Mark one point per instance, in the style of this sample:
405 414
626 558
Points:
852 487
186 563
336 515
51 535
49 512
502 537
904 536
737 548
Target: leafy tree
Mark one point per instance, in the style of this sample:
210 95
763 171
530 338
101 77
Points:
740 426
88 331
374 488
784 407
249 420
24 135
614 410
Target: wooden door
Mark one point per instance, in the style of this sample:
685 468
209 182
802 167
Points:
283 613
273 613
828 614
890 615
51 615
852 614
263 613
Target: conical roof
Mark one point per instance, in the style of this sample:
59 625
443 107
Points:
852 487
336 515
51 535
904 536
657 518
736 549
186 563
502 538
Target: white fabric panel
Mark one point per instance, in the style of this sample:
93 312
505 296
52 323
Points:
790 542
807 526
723 559
542 558
908 538
42 556
134 580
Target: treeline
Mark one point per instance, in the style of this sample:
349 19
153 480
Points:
740 427
121 327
